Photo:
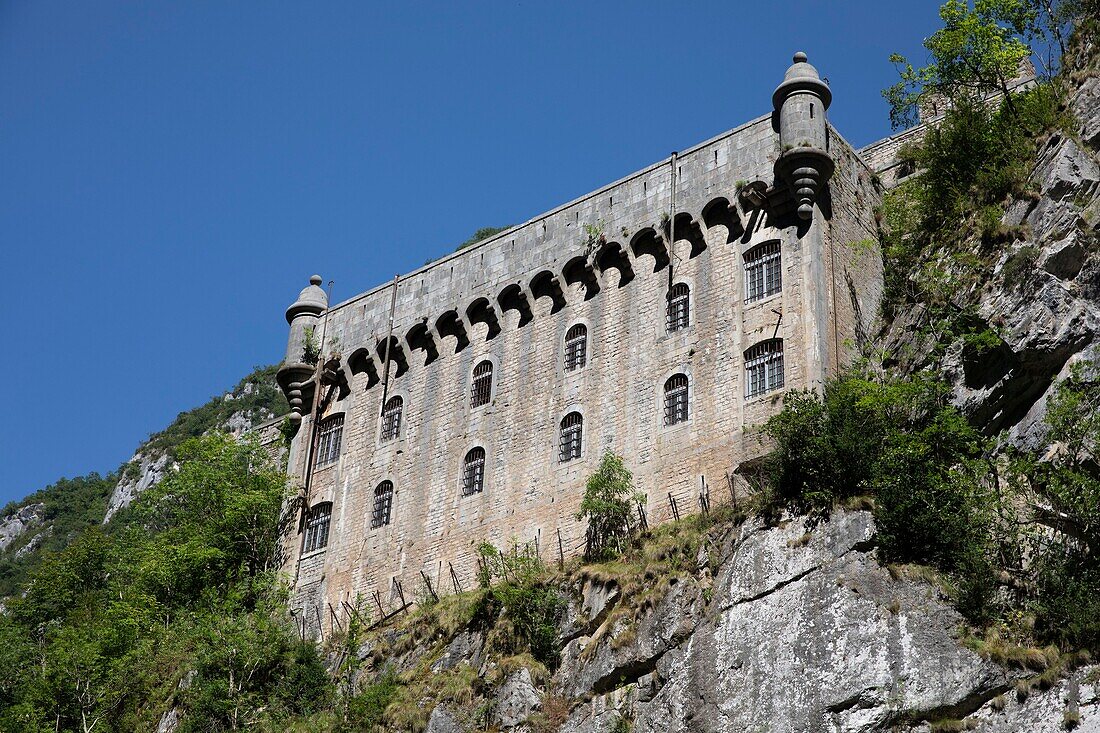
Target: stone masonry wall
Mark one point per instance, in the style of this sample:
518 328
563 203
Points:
828 298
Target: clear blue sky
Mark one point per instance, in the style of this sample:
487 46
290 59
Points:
172 173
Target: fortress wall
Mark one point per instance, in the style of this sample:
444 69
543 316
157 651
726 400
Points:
529 496
854 256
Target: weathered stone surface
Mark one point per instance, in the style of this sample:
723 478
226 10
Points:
1048 711
1048 320
1086 107
602 663
150 470
443 721
464 648
812 634
169 721
516 700
21 520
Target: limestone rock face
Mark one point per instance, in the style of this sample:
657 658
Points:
516 700
812 634
798 630
803 631
150 470
442 721
1076 698
18 522
1048 311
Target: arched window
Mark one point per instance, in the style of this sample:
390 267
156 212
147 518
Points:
676 399
569 437
383 501
317 522
763 271
678 314
473 472
329 433
764 367
482 387
576 347
391 418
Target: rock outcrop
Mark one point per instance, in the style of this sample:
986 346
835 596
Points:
15 524
1042 299
778 628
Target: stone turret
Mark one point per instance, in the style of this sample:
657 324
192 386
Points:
296 377
800 104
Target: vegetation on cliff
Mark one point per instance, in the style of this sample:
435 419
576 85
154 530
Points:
181 607
72 505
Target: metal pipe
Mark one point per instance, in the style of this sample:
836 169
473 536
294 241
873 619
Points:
389 340
671 220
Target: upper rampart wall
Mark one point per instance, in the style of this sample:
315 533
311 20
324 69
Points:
544 256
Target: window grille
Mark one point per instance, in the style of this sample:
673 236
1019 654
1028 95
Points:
763 271
676 399
473 472
391 418
569 437
764 367
576 347
329 434
678 315
383 501
317 523
482 387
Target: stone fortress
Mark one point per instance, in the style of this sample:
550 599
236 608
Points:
661 317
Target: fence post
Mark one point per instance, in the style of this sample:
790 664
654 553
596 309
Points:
378 600
401 594
561 552
675 509
428 582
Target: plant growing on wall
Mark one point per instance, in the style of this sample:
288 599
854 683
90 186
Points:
311 350
593 235
608 505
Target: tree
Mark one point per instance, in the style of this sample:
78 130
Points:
608 505
978 51
218 518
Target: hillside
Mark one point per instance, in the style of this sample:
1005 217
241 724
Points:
49 519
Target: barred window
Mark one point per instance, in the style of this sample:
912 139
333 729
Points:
317 522
763 271
473 472
329 433
391 418
576 347
676 399
383 501
482 387
569 437
764 367
678 315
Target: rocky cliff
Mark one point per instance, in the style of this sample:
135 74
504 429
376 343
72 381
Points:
747 627
1041 296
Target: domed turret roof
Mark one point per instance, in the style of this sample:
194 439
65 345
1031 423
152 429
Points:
311 300
802 76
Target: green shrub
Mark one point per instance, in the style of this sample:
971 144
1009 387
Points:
899 441
367 709
518 586
608 506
